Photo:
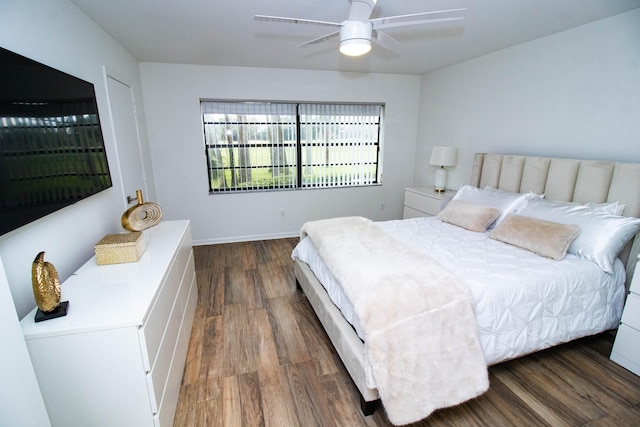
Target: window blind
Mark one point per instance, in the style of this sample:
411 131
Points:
339 144
274 145
250 145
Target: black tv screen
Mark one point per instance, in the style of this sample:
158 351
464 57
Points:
51 147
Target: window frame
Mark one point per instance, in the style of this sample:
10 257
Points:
375 127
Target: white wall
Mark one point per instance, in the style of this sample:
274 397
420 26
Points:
573 94
172 96
57 34
21 403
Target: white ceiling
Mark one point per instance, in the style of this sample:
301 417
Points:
221 32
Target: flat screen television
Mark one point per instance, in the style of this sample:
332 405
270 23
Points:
52 152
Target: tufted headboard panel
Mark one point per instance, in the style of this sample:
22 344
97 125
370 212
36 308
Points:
570 180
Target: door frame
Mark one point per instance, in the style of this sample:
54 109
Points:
111 74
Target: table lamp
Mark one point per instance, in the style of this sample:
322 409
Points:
442 156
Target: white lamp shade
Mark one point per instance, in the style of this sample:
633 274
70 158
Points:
443 155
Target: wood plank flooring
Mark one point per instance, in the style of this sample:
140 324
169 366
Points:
259 357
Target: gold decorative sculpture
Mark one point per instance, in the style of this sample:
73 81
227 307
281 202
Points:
46 289
141 216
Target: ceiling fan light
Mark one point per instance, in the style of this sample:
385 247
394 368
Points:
355 38
355 47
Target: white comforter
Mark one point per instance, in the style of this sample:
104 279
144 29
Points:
523 302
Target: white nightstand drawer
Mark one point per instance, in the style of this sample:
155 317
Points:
626 349
421 203
412 213
631 313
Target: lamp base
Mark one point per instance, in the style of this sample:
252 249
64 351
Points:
441 180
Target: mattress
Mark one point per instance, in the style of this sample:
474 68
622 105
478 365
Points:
523 302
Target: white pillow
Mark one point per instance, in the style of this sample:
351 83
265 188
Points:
505 201
613 208
602 235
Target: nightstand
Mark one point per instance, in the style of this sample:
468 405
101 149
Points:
626 347
422 201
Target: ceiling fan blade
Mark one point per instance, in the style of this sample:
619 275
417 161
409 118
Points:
410 19
294 20
417 22
385 40
321 39
361 10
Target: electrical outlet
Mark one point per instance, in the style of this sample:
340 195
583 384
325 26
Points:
283 214
381 206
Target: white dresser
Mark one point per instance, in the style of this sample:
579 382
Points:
626 347
117 358
421 201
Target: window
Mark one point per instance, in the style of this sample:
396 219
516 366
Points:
271 145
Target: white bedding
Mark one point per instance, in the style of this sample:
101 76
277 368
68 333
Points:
523 302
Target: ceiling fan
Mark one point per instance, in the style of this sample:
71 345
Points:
357 31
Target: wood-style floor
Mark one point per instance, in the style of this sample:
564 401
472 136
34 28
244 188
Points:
259 357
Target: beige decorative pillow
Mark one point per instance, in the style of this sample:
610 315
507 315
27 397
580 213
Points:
469 215
602 236
545 238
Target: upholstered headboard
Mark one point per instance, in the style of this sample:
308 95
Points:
567 180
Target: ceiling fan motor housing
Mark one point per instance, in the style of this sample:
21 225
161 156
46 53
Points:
355 37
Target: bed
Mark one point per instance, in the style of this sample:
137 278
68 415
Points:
521 302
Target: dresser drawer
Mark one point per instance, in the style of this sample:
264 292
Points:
185 284
153 329
183 255
167 408
631 313
157 378
626 349
428 205
635 282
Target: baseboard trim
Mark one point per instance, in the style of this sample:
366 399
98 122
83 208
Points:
248 238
